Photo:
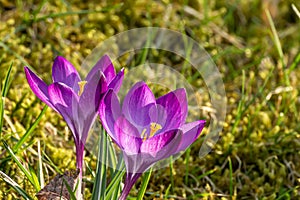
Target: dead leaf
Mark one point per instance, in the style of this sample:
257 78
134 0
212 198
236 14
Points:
56 189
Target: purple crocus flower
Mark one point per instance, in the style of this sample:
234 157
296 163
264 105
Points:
76 100
147 129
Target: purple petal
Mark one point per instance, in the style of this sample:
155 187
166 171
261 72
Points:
105 65
116 83
191 131
109 112
145 116
127 136
39 87
66 102
86 124
135 104
139 163
171 147
63 71
156 143
129 182
159 115
150 153
62 94
172 109
89 100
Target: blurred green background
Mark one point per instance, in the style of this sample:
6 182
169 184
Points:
258 155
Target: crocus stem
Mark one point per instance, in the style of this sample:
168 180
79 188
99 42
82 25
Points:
129 182
79 164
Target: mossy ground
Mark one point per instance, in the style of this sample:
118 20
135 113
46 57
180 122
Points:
258 155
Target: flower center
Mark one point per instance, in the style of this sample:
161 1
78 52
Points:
81 87
154 127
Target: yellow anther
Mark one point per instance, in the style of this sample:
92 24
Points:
154 127
144 136
81 87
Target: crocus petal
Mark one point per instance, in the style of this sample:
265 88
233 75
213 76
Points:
135 102
63 71
116 83
169 149
158 114
89 102
39 87
175 105
191 131
151 153
131 178
62 94
138 163
109 112
105 65
156 143
127 136
149 115
66 102
90 98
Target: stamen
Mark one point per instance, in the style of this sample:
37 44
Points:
144 135
81 87
154 127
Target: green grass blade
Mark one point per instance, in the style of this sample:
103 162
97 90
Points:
171 174
259 93
39 8
230 178
188 46
72 194
145 182
1 114
20 165
294 64
286 194
206 173
100 180
117 191
240 106
15 186
167 192
3 95
6 81
112 158
90 170
34 178
187 157
145 51
48 160
30 130
114 185
275 35
277 44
